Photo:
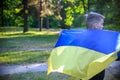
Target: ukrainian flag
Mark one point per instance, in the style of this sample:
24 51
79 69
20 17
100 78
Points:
84 53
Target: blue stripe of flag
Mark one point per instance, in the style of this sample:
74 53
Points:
104 41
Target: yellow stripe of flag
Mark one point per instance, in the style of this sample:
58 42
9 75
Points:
78 62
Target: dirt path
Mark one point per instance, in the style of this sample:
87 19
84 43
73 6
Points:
36 67
112 72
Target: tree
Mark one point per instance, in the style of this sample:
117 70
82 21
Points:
7 15
48 12
84 6
40 17
25 8
69 10
63 15
42 9
110 9
1 10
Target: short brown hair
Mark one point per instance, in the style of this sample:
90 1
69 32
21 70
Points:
94 18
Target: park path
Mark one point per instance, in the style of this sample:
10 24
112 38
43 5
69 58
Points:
112 72
36 67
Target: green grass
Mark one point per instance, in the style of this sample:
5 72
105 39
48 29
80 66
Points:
24 57
15 46
22 42
15 49
37 76
11 41
10 29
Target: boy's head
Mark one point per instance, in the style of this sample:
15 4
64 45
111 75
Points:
94 20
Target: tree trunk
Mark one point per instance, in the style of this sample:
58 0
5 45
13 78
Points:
47 22
40 18
25 16
63 15
47 15
40 23
2 19
88 5
84 6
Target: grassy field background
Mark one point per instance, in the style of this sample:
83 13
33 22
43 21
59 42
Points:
37 76
17 47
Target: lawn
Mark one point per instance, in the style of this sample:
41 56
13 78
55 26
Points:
37 76
17 47
23 57
16 40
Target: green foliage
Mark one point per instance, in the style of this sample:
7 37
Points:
54 23
79 21
68 12
112 27
79 9
19 21
33 22
17 10
69 16
9 11
111 12
68 1
74 7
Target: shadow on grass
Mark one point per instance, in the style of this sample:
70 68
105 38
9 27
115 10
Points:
30 41
24 57
37 76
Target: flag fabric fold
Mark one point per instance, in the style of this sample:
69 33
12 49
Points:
84 53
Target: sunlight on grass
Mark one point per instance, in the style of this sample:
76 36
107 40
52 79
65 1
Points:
22 43
15 48
22 57
20 34
14 45
10 32
12 41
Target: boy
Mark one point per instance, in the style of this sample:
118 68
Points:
95 21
